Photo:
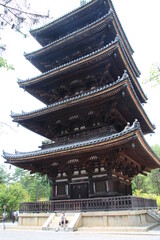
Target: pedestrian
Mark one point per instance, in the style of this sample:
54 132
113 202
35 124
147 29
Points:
13 216
17 215
4 216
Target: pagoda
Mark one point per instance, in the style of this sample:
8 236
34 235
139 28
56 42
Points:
93 118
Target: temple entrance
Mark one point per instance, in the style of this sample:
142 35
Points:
79 190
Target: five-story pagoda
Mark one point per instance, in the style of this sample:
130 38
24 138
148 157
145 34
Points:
89 84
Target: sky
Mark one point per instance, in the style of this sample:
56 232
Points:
140 21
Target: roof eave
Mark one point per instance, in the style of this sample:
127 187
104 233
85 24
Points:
124 81
127 135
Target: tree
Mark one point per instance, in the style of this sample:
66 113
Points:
4 64
155 73
140 183
156 149
21 187
154 76
4 176
155 174
11 196
151 183
18 14
37 186
19 174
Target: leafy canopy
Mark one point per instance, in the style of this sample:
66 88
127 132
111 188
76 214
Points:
4 64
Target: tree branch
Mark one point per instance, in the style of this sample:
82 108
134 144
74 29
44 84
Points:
25 12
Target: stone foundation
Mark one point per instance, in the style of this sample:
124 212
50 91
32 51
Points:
33 219
115 219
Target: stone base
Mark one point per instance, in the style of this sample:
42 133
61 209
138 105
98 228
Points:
33 219
115 219
139 220
140 229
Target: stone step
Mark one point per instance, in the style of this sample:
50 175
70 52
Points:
143 228
154 214
54 224
57 219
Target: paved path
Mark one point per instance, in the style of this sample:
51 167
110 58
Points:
43 235
50 235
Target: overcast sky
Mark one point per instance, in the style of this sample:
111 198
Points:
140 20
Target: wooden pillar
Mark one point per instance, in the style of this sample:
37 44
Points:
90 190
53 189
129 189
69 187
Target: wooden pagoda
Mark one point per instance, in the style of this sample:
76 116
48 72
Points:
93 117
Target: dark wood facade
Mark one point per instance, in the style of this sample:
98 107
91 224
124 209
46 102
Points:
93 100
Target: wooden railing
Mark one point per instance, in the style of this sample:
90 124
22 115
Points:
91 204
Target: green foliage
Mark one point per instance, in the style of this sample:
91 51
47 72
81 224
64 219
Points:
21 186
137 192
4 176
156 149
4 64
11 196
148 186
37 186
154 76
139 182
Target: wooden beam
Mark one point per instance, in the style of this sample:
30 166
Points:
125 156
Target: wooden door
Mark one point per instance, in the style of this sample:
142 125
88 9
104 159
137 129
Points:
79 190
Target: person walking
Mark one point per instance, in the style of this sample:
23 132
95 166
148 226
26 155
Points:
4 217
13 216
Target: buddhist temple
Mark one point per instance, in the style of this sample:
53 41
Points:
94 118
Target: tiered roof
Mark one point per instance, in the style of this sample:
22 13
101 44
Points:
94 60
82 82
121 89
131 138
78 17
106 24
